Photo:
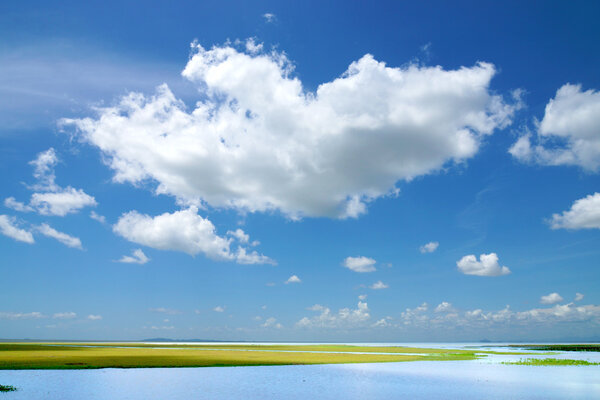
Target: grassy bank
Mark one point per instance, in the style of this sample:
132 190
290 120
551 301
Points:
128 355
560 347
550 361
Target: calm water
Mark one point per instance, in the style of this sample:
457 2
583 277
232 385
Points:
478 379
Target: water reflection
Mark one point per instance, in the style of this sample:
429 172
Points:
478 379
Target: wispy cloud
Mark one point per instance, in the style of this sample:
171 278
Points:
62 237
8 227
138 257
164 310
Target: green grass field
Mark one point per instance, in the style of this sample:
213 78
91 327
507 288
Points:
128 355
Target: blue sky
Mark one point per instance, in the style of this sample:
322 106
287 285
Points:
317 172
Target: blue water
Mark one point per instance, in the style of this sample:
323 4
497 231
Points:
476 379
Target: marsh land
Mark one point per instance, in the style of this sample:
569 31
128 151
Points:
142 355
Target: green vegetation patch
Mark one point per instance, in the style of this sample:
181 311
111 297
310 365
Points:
560 347
7 388
549 361
83 356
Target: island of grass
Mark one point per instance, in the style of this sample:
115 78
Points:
549 361
138 355
7 388
559 347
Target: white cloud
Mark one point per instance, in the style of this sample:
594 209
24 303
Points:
345 317
160 328
578 296
65 315
359 264
65 239
552 298
60 203
362 297
219 309
163 310
429 247
486 266
569 133
272 323
240 235
98 217
382 323
259 142
51 199
269 17
444 307
293 279
93 317
12 315
11 202
184 231
252 47
44 170
138 257
8 228
584 214
379 285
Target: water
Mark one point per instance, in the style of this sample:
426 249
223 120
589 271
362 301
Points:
476 379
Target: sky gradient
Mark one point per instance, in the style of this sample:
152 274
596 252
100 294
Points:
304 172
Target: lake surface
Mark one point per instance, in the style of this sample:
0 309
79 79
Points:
476 379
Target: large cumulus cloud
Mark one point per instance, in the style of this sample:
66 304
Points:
258 141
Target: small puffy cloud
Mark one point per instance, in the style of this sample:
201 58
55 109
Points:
552 298
60 203
345 317
219 309
429 247
138 257
293 279
584 214
258 141
65 315
569 133
93 317
13 315
487 265
163 310
184 231
272 323
252 47
8 227
98 217
269 17
362 297
382 323
263 307
359 264
444 307
65 239
578 296
240 235
379 285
